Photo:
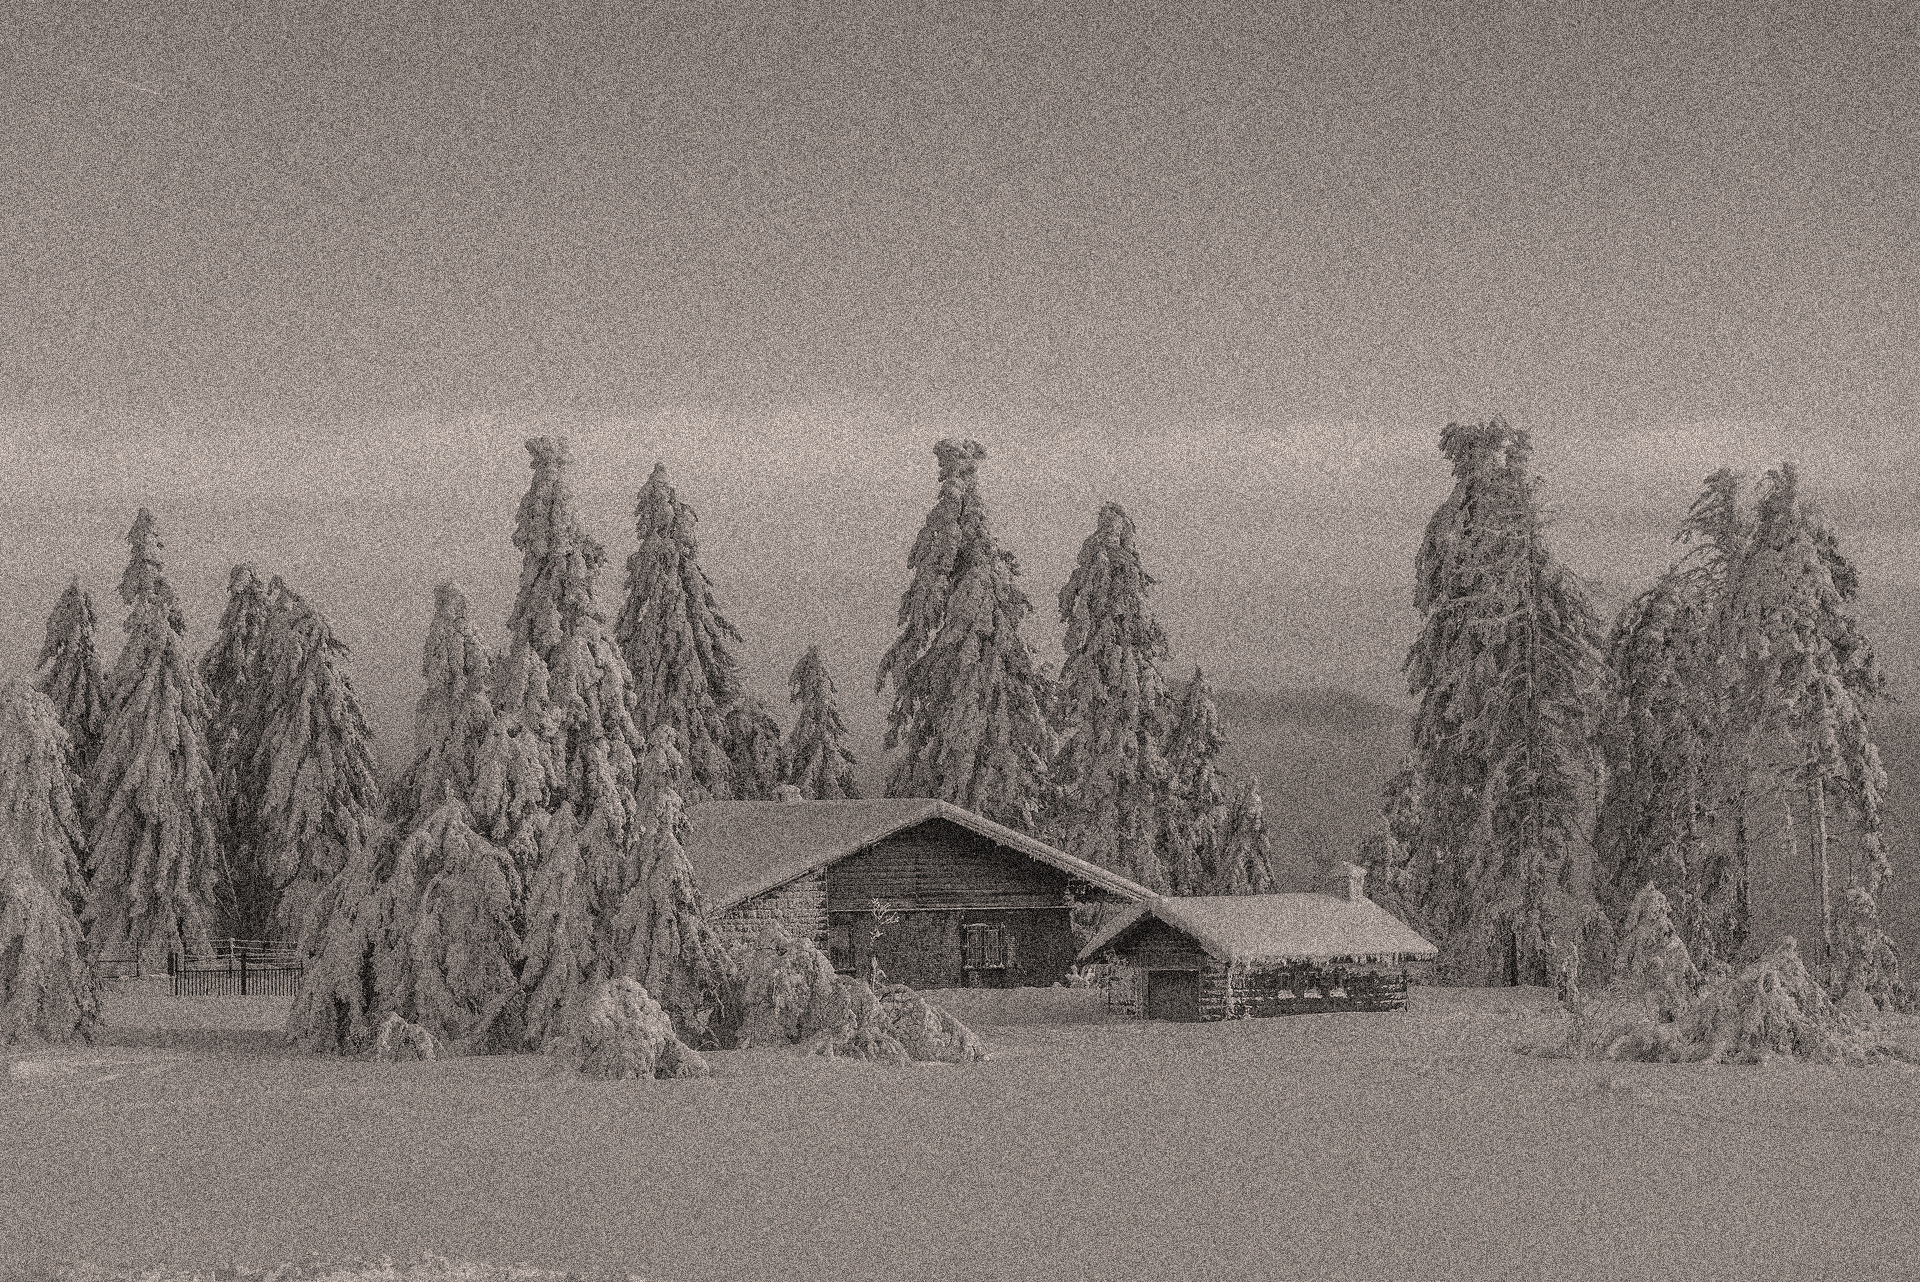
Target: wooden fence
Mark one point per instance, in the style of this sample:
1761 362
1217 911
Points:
235 968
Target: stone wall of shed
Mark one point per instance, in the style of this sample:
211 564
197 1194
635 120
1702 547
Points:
1251 991
800 906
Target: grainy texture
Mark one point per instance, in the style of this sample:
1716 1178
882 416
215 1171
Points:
1267 1139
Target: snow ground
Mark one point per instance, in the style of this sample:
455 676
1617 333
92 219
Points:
1324 1146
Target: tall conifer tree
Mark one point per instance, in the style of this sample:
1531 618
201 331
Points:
319 799
427 918
69 674
156 873
1110 774
1510 682
1245 864
233 669
569 686
1742 736
674 639
1195 810
819 763
452 716
756 751
46 991
968 702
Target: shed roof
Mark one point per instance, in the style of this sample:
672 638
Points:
1269 928
740 849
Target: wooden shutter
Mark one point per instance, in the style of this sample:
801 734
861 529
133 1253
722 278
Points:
986 948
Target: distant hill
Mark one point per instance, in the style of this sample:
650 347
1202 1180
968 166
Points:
1323 757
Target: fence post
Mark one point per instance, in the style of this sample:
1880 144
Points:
243 972
173 976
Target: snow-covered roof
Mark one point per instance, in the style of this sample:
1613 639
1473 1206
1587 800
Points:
740 849
1273 928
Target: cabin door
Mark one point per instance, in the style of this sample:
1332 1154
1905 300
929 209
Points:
1173 994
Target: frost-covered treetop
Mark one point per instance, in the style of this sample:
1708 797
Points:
69 672
145 580
1195 723
658 511
70 622
1109 587
957 522
675 639
669 594
957 458
455 666
560 559
1717 524
1479 449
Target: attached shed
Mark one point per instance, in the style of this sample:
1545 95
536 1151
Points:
1207 957
937 896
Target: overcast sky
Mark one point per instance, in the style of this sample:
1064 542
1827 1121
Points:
302 278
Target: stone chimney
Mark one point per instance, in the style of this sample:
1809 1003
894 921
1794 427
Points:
788 793
1343 880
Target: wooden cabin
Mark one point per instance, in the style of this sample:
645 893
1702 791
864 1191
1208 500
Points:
936 895
1234 956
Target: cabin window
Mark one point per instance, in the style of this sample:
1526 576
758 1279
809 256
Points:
985 948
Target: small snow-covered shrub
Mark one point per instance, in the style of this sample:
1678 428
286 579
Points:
623 1034
1770 1009
851 1025
401 1042
778 988
927 1033
781 990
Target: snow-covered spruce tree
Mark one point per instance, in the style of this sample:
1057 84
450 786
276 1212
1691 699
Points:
568 689
1804 676
1194 808
674 639
1510 682
1673 808
69 674
1245 861
464 948
318 800
46 991
453 714
1388 855
660 936
1658 735
819 763
756 751
968 702
1741 727
369 922
233 672
156 868
1109 775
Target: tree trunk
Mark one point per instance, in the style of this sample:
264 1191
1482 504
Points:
1822 876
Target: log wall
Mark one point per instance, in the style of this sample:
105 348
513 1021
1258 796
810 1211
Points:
800 906
925 949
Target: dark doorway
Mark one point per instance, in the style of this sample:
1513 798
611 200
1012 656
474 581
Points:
1173 994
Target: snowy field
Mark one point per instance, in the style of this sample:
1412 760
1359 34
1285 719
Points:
1414 1146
